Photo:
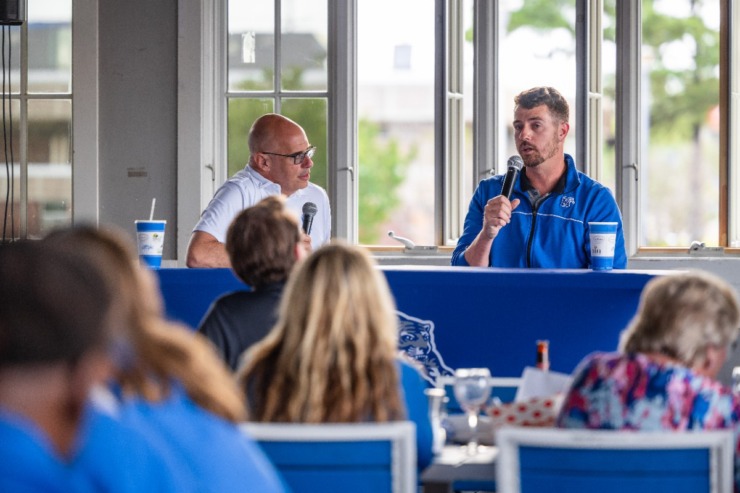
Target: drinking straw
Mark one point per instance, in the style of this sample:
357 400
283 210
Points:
151 213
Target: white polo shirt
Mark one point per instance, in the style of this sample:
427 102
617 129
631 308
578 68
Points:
246 188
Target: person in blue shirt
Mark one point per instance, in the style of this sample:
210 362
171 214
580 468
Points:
169 385
55 316
545 222
333 355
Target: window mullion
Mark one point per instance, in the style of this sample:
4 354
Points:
628 128
731 123
342 125
485 103
441 116
278 56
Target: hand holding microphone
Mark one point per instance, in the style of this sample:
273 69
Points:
309 211
497 212
514 165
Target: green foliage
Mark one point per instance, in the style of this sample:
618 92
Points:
542 15
382 164
382 170
681 98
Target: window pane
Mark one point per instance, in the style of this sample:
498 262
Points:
537 49
251 45
680 156
242 114
49 165
304 45
311 114
49 46
395 68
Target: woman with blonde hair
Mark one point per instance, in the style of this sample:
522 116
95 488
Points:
169 382
332 357
664 376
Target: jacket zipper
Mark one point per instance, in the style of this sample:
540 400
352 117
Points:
530 240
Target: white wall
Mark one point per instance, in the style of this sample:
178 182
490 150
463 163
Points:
138 113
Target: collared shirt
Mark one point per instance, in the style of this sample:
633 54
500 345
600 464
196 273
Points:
237 320
246 188
553 233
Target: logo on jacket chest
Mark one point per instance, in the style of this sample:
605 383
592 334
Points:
566 202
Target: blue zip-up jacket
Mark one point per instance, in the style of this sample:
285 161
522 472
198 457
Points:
554 235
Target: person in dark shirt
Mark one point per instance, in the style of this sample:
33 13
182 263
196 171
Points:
263 244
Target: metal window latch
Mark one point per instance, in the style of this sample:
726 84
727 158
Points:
213 171
410 247
634 167
698 248
350 170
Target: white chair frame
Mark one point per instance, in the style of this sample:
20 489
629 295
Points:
509 439
401 434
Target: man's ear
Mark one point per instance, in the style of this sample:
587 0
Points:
261 163
563 130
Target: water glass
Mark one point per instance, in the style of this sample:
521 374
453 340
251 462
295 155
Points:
472 390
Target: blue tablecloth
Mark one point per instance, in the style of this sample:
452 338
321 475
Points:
464 317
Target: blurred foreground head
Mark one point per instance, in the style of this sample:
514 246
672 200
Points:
55 305
151 352
57 314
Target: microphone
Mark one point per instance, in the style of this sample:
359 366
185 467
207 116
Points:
309 211
515 164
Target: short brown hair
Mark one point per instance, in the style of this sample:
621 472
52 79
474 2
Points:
549 96
261 242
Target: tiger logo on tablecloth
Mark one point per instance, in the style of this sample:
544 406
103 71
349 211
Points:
416 339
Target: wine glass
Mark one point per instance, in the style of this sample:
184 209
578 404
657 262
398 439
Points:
472 390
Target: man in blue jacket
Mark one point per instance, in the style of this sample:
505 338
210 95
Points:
545 224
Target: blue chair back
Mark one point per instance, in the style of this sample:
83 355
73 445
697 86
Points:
540 459
328 458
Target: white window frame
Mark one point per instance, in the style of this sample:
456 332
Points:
202 119
732 10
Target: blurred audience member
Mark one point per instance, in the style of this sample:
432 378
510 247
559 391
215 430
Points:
263 243
55 321
332 356
169 382
670 354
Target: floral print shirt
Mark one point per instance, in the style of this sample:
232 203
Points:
632 392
